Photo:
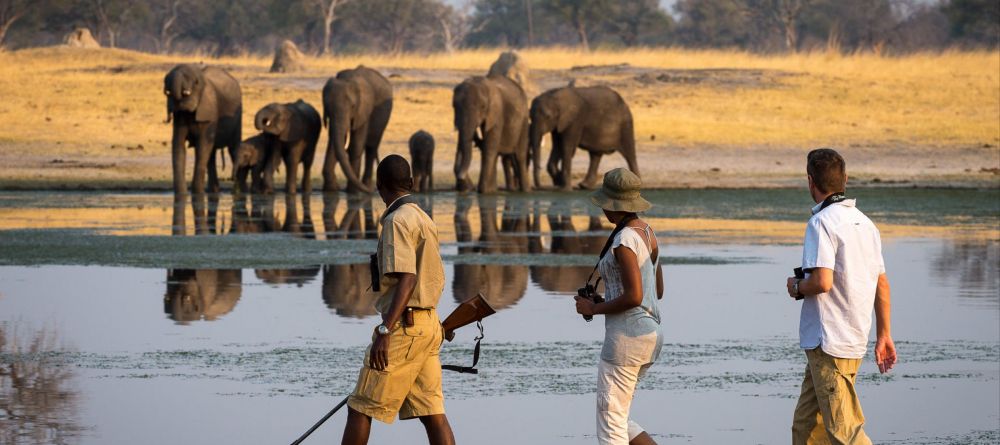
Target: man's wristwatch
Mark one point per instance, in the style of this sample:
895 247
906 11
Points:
382 329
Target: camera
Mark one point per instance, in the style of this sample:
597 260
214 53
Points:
589 292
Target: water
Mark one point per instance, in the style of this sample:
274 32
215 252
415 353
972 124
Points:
125 327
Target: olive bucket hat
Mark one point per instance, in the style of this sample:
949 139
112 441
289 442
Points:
620 192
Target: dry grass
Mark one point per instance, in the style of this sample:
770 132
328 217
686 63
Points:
88 107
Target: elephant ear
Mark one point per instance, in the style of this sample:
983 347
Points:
294 127
568 103
364 102
208 105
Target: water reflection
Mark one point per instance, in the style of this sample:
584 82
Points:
357 222
566 240
299 228
38 401
503 285
346 290
202 294
973 265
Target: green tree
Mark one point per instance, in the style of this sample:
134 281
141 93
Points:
581 15
974 22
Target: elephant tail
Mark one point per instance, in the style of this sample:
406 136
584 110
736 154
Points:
628 146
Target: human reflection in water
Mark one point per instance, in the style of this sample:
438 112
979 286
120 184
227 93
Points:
201 294
38 403
565 241
503 285
973 264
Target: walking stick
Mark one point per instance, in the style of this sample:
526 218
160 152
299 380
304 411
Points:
324 419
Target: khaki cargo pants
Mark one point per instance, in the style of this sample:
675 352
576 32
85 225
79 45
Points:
829 411
411 384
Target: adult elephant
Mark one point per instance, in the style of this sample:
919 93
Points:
291 131
595 119
356 108
491 112
206 107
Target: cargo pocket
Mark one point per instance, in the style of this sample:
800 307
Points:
373 384
414 338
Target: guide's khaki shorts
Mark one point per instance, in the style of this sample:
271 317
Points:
411 384
829 411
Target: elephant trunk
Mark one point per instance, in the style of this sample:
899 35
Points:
463 156
536 133
338 139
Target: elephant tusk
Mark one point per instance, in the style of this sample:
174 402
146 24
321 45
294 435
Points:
479 133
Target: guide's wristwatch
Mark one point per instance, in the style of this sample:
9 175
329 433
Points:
382 330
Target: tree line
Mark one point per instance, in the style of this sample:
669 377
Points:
230 27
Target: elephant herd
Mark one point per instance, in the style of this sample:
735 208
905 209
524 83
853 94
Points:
491 113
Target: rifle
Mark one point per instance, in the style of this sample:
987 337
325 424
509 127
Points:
473 310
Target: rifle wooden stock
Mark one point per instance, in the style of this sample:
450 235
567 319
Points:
470 311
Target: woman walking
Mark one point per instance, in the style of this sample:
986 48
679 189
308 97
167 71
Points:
633 282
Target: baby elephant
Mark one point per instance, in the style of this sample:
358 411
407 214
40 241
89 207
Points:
290 131
251 158
422 160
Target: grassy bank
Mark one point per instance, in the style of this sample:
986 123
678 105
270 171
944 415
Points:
703 118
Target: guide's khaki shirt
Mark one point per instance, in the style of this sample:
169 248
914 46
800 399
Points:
408 243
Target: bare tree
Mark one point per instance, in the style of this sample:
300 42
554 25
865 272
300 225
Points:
166 13
783 15
328 10
580 14
456 25
111 15
10 12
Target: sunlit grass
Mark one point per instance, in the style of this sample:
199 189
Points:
75 104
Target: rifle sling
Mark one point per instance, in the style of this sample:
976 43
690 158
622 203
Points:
475 356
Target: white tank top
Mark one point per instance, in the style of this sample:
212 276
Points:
632 337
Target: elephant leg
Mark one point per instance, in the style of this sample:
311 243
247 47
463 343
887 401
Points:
199 207
307 161
203 153
213 173
566 152
356 152
292 156
488 166
178 223
591 179
521 160
555 157
371 158
508 172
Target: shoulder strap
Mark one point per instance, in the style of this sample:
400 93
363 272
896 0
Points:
403 200
607 246
475 356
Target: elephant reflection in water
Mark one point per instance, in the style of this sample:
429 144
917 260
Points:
346 289
346 286
202 294
972 264
503 285
567 279
262 219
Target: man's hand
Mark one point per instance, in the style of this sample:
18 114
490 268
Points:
885 354
584 306
380 353
791 287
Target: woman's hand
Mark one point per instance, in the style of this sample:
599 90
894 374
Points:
585 306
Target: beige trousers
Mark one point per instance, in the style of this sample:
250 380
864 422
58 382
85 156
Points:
615 388
829 411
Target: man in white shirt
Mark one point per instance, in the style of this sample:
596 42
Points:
845 279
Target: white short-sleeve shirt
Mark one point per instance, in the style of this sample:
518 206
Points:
842 239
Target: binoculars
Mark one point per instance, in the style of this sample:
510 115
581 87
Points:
589 292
